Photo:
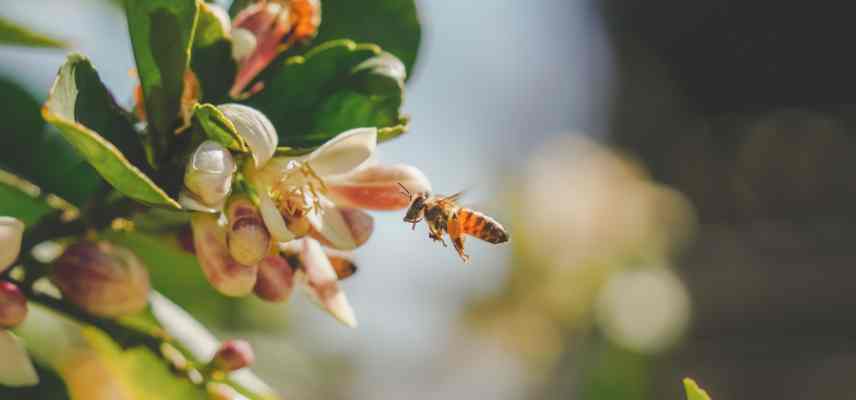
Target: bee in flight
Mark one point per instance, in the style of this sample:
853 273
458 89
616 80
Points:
442 214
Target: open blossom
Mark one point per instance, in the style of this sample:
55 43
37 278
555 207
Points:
318 198
322 194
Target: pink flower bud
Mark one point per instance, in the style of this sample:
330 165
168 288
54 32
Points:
276 279
102 279
228 276
233 355
248 238
13 305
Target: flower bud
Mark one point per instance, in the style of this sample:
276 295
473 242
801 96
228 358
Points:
102 279
13 305
11 231
228 276
233 355
255 128
248 238
208 176
276 279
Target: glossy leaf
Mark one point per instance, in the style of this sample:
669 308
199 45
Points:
161 35
78 105
212 56
14 34
694 392
217 127
337 86
391 24
37 152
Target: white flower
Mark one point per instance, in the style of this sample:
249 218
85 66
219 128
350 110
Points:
303 195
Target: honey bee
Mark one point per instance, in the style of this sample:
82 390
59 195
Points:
442 214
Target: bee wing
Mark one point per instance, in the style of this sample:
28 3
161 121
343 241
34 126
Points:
455 196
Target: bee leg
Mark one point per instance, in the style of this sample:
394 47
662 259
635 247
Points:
437 237
457 235
436 234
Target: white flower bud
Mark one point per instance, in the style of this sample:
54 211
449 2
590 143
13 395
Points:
11 231
208 176
255 128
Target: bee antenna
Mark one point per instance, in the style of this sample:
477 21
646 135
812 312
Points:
405 192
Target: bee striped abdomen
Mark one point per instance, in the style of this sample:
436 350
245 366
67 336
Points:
476 224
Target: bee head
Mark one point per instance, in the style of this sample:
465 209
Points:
417 205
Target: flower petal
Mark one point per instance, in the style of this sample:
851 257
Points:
344 153
377 187
273 219
321 284
224 273
255 128
11 231
276 279
16 369
341 228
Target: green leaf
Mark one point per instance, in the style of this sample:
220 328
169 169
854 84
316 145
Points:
77 105
161 36
17 35
693 391
37 152
21 200
391 24
336 86
212 57
217 127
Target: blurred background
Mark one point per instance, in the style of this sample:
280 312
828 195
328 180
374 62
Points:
675 177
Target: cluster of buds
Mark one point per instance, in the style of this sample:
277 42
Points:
291 220
102 279
264 30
